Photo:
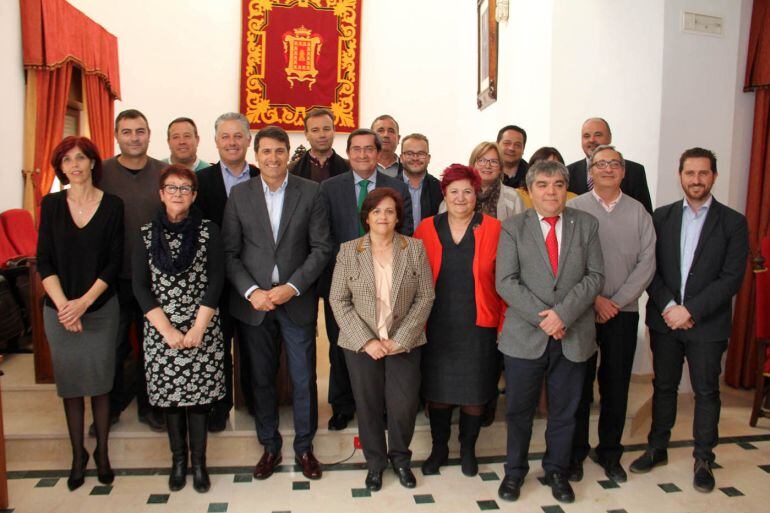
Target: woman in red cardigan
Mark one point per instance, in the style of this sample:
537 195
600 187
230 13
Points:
460 360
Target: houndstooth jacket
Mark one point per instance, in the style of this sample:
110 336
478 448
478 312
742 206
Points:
352 295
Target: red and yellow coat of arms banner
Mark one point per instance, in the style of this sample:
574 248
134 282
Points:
300 54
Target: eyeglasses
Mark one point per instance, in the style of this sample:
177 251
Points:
491 162
603 164
415 154
363 149
184 190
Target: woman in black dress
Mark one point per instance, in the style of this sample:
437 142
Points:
178 274
460 361
79 254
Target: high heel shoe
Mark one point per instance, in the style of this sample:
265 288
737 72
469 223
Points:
104 473
75 481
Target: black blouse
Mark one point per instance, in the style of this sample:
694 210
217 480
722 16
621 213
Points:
80 256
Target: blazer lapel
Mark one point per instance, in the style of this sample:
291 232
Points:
399 266
533 224
350 205
221 192
712 218
258 205
365 264
567 232
290 201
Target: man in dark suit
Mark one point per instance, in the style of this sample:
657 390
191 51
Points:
344 195
276 238
321 161
549 272
424 188
512 140
701 256
596 131
232 138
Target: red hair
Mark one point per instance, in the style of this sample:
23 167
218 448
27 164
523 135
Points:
457 172
180 171
89 150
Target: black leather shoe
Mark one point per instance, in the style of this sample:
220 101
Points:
649 460
373 481
704 477
575 471
339 421
152 419
78 473
614 471
405 477
560 487
104 472
510 488
267 465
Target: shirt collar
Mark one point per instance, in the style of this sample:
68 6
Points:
703 208
357 178
231 173
194 166
394 163
541 217
282 188
408 183
609 205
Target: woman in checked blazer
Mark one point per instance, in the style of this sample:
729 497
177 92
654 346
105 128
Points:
381 295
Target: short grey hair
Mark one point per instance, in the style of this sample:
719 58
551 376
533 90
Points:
548 168
603 147
232 116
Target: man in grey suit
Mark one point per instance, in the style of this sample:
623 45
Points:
276 238
344 195
549 272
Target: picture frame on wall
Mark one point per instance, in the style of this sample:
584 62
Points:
487 54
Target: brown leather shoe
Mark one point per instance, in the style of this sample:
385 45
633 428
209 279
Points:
311 469
267 464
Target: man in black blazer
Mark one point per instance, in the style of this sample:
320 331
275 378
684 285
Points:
232 138
344 195
276 238
701 254
424 188
512 140
596 131
321 161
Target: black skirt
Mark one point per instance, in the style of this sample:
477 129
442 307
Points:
460 361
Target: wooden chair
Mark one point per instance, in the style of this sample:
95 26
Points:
761 332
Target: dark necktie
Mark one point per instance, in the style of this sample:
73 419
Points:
363 191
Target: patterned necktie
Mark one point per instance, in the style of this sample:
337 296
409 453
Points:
589 182
364 184
552 244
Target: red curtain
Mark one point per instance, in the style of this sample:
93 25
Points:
101 112
741 354
53 88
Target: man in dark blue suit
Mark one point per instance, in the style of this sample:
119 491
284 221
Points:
701 253
344 195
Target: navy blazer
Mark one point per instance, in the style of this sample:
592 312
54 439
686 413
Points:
716 274
634 183
212 196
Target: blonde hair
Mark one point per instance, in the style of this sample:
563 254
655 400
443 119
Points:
481 149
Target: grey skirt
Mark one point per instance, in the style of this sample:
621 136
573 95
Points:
84 363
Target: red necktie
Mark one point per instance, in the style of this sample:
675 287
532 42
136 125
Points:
552 244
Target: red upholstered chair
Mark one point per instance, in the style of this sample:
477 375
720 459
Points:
762 333
20 228
7 252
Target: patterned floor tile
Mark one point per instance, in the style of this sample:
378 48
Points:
424 499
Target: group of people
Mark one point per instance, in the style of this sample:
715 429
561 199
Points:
432 288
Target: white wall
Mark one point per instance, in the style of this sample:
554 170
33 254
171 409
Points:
11 106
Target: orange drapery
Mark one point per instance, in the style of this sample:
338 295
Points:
56 37
741 354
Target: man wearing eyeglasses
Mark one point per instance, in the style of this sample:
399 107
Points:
344 195
424 188
596 131
627 237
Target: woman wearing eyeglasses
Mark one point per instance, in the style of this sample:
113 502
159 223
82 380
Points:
178 274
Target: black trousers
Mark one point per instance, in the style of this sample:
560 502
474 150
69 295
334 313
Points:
617 346
523 379
121 393
389 384
263 345
223 406
340 392
704 360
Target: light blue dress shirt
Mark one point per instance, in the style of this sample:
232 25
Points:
692 225
231 179
369 188
415 193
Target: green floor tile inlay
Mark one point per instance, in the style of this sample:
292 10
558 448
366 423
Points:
280 512
732 492
360 492
218 507
616 511
424 499
242 478
669 487
747 445
101 490
300 485
487 505
47 482
489 476
608 484
552 509
158 498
